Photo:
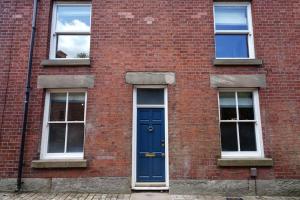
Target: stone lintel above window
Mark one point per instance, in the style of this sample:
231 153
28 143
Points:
65 81
237 62
238 81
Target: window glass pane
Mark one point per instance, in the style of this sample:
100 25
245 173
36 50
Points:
245 102
57 106
231 18
72 18
247 136
150 96
227 105
56 141
76 106
229 137
231 46
75 138
73 46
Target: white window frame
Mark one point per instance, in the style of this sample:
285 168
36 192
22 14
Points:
54 33
259 153
45 134
251 49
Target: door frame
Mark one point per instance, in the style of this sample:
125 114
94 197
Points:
157 186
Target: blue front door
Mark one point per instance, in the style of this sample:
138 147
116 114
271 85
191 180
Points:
150 145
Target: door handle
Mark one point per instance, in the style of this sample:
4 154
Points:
150 155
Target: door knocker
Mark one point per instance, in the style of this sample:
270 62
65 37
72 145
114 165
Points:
150 128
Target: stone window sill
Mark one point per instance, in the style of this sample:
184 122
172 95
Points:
45 164
251 162
237 62
66 62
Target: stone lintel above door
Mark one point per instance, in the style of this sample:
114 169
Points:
150 78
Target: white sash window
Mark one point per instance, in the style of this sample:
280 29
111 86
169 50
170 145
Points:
71 29
64 124
233 30
240 125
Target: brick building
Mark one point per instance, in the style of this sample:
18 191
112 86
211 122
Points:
195 96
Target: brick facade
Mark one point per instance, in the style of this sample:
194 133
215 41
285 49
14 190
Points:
141 35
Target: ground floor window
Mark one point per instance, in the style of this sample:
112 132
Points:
240 124
64 124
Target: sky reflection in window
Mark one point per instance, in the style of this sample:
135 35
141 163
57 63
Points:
73 18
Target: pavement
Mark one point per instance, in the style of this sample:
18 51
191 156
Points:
133 196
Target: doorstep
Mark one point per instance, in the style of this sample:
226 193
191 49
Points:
151 186
151 195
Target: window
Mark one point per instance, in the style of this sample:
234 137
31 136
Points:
71 28
240 124
233 30
147 96
64 124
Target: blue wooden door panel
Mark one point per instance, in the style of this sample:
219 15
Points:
150 139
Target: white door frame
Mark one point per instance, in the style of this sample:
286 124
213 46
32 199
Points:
134 186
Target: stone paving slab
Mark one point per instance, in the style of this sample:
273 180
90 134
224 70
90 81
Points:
133 196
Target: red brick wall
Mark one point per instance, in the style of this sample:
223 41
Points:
181 39
14 41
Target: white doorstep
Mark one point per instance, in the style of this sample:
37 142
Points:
150 196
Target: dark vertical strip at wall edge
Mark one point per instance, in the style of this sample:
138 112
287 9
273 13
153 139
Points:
27 95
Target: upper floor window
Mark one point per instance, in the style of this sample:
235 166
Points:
71 29
233 30
240 123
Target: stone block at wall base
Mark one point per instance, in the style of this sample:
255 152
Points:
215 187
121 185
93 184
29 184
279 187
289 187
115 185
